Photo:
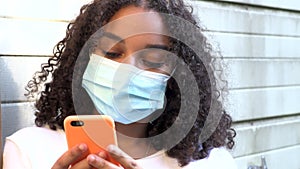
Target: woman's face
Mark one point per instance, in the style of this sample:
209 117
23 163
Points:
137 36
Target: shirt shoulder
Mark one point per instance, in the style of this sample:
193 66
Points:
218 158
38 137
27 147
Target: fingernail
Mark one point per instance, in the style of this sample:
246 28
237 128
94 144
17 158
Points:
82 147
91 158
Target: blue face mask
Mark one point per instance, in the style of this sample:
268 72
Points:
122 91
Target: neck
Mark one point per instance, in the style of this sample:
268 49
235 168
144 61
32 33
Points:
136 130
131 139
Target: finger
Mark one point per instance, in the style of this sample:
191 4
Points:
100 163
83 164
102 154
124 159
70 156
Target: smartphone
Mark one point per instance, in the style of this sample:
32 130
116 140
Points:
96 131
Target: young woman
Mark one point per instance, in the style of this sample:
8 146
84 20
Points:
147 65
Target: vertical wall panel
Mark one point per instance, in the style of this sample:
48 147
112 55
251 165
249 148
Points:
29 29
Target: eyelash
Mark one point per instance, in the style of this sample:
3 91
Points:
112 54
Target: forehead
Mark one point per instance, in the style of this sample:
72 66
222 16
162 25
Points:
132 21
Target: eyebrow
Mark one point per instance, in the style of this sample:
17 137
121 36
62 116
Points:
114 37
121 40
157 46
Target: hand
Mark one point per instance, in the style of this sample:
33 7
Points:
71 156
97 161
125 160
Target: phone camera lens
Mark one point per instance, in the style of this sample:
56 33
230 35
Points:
77 123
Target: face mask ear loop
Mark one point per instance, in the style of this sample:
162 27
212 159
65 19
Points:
176 64
171 74
151 123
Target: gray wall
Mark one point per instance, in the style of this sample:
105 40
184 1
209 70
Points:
29 29
260 43
259 40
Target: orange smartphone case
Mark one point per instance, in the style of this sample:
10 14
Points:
97 131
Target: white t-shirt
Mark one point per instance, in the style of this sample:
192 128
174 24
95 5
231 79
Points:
40 147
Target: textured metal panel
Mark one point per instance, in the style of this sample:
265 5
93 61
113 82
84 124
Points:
30 37
15 73
280 4
262 73
259 103
266 135
285 158
47 10
16 116
246 19
1 142
255 46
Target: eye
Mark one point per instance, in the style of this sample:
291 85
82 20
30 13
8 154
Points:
112 55
150 64
109 54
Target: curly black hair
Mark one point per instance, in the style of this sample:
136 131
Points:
56 98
